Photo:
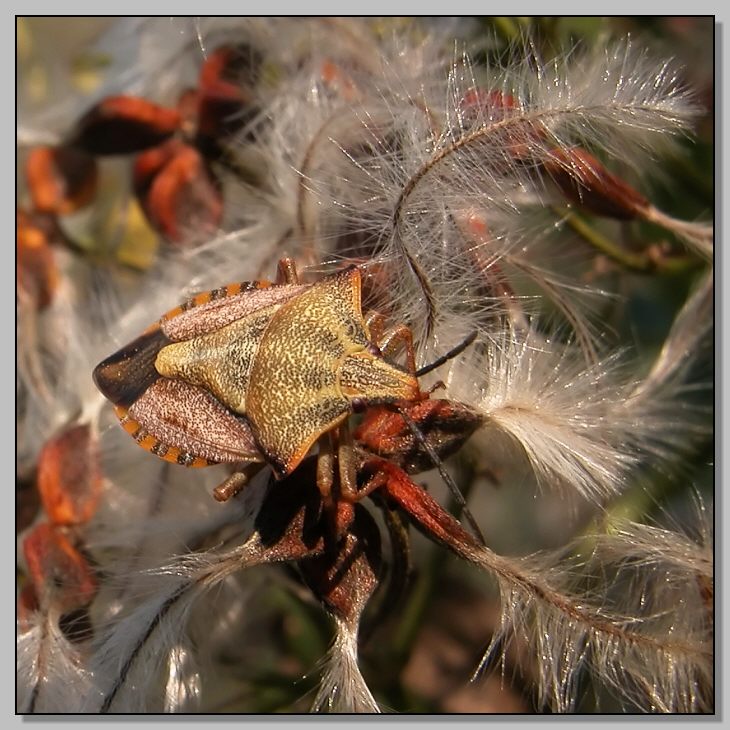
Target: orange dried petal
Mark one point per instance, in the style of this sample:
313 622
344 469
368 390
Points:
36 273
69 476
60 574
60 179
148 164
184 201
121 125
224 89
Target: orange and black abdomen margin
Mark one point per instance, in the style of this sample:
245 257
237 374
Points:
149 442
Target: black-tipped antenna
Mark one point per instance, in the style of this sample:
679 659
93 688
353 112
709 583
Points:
450 483
445 358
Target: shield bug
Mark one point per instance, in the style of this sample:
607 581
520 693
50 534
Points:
260 372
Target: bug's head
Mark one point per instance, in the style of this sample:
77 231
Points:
367 378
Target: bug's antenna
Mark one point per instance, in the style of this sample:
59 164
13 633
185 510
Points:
445 358
450 483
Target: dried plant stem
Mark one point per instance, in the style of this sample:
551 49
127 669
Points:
647 262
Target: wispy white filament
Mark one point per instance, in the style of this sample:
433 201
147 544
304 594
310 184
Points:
342 687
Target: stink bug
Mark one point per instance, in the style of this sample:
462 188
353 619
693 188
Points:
259 372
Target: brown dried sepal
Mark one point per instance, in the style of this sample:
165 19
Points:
37 275
224 90
500 112
585 181
27 503
148 164
491 104
184 201
120 125
61 576
337 79
291 522
27 606
345 577
444 424
69 476
60 179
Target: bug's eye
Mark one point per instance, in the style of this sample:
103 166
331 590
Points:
373 349
359 405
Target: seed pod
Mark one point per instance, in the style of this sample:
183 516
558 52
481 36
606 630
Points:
60 179
493 105
69 476
586 182
120 125
345 578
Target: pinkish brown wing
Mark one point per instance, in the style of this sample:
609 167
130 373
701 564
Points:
184 423
211 310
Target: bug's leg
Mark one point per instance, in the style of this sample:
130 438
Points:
340 512
326 470
375 482
231 486
286 272
420 507
375 323
391 341
346 465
